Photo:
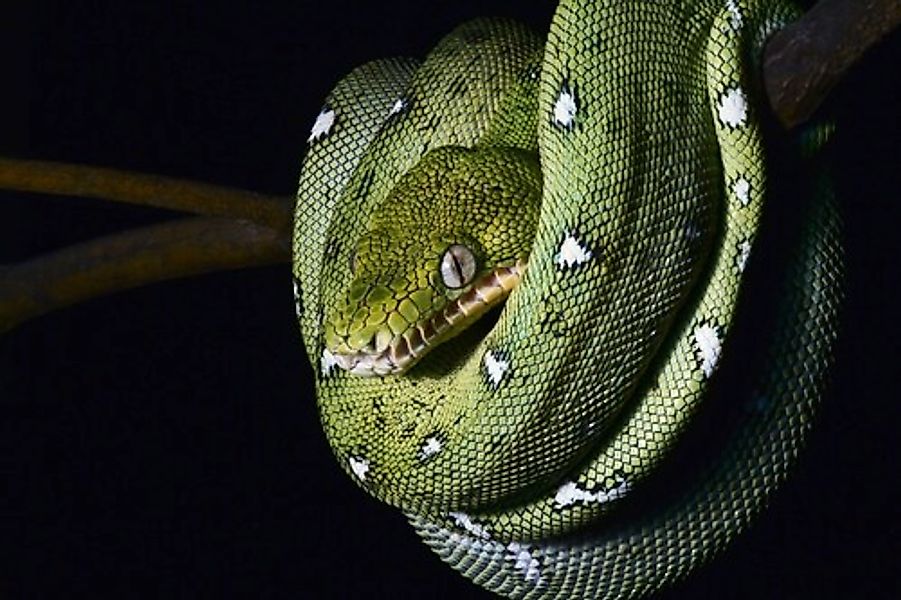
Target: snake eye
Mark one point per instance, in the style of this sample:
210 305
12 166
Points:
458 266
352 262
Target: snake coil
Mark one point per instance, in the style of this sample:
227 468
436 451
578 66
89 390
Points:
623 418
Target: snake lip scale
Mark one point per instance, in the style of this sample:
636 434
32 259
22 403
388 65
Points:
406 349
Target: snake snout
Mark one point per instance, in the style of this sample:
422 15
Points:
396 342
368 352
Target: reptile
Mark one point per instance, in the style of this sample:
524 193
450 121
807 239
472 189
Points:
564 309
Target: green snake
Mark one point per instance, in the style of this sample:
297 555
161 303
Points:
521 273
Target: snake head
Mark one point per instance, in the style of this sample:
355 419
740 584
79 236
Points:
449 243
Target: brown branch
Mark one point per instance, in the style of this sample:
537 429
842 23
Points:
181 248
805 60
147 190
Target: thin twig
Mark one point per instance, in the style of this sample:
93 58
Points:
147 190
182 248
804 61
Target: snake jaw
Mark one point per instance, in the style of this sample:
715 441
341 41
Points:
366 365
395 354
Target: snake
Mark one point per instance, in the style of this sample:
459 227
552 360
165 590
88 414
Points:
571 301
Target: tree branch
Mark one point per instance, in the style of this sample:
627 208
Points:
182 248
147 190
804 61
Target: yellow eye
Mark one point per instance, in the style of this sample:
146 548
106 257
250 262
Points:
458 266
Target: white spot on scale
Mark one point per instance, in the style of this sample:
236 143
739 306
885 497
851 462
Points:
733 109
327 363
359 466
742 190
325 120
496 367
744 252
572 252
527 564
296 299
465 521
709 347
565 108
468 544
431 447
398 107
569 493
735 19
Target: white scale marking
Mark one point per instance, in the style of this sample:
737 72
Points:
735 19
360 467
323 125
465 521
296 299
742 190
527 564
431 447
496 368
709 348
744 252
571 253
327 363
569 493
398 107
565 108
733 109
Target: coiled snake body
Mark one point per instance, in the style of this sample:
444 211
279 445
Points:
614 178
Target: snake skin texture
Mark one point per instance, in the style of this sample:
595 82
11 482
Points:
583 443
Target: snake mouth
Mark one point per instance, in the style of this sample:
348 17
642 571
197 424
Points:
404 350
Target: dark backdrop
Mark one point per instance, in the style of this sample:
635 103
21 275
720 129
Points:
165 440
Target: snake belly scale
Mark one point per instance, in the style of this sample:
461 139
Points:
518 268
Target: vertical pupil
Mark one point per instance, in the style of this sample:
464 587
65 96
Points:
458 267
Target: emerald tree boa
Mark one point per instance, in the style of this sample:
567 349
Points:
579 441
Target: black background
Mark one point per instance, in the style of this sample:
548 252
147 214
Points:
165 440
